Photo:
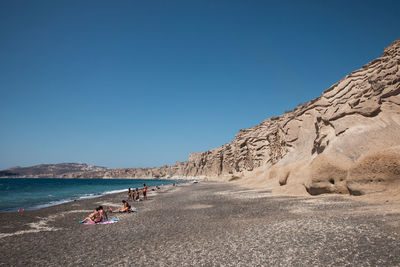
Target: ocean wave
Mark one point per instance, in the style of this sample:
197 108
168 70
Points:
49 204
88 196
67 200
114 191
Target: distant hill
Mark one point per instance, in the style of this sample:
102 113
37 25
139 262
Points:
50 170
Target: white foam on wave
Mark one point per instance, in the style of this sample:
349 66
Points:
88 196
67 200
114 191
49 204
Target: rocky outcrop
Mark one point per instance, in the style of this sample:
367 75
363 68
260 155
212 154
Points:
374 172
328 175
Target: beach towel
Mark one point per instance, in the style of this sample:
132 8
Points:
125 212
103 222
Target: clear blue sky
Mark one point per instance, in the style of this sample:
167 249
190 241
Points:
145 83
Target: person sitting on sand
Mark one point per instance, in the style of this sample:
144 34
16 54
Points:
94 217
125 208
130 194
137 195
133 194
103 214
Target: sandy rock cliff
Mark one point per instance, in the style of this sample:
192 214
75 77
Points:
346 141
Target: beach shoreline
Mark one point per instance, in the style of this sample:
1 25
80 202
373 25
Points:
36 193
205 224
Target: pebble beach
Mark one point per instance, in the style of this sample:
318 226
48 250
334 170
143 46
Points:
206 224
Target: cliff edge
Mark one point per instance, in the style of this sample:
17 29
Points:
346 141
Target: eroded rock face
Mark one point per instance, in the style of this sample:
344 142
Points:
352 117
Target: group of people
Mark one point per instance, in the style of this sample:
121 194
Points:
135 194
99 214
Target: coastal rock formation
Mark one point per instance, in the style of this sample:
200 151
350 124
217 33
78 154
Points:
345 141
375 172
328 175
326 145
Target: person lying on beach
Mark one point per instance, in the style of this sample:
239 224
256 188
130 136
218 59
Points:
125 208
94 217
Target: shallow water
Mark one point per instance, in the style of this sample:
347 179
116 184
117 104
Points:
36 193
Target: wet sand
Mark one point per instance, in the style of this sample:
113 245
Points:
206 224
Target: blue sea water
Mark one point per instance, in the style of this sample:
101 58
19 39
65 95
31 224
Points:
36 193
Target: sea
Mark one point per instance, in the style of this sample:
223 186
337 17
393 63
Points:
18 194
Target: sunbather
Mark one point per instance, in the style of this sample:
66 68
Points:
103 214
94 217
125 208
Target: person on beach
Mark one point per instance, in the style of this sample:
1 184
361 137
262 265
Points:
133 194
125 208
103 214
94 217
130 194
137 195
144 192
